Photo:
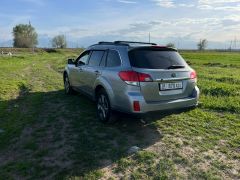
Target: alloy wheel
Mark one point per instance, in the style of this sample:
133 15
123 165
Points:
66 84
102 107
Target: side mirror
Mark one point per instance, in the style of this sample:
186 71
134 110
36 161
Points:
80 63
71 61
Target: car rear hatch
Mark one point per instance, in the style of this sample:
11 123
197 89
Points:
170 74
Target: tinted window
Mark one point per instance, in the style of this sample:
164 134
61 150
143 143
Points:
82 60
95 58
103 62
113 59
155 59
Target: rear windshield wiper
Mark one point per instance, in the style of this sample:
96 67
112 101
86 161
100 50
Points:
176 67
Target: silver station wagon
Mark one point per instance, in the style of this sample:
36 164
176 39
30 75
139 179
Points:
132 77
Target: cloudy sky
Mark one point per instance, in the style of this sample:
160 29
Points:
183 22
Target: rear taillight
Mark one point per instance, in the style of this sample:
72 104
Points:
144 77
193 75
133 77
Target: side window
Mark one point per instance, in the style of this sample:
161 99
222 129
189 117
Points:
82 60
96 58
113 59
103 62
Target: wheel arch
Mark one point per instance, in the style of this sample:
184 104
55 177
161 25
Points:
66 72
108 90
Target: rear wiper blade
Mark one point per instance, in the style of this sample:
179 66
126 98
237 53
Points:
176 67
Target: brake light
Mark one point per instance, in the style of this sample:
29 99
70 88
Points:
144 77
133 77
193 75
136 106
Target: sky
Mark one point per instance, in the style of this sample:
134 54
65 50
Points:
84 22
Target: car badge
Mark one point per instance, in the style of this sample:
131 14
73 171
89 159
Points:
173 75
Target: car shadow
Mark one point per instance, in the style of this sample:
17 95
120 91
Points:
59 135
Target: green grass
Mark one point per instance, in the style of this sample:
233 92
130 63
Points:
47 134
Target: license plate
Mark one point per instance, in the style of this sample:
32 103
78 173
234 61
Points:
170 86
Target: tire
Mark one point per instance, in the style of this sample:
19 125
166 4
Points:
67 86
104 112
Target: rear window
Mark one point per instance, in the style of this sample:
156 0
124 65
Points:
113 59
155 59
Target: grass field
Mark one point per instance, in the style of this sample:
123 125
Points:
47 134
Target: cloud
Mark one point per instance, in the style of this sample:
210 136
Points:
161 29
219 5
166 20
172 4
4 34
165 3
214 2
127 2
186 5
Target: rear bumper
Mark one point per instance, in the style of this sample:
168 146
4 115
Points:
153 114
146 107
167 105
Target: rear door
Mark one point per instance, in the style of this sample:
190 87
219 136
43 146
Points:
169 71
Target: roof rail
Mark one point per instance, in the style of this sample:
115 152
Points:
104 42
127 43
133 42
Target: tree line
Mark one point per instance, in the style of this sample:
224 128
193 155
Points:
201 45
25 36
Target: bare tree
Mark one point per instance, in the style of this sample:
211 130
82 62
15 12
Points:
171 45
202 45
59 41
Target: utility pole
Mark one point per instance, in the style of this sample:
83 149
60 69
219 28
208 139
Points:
230 48
65 38
149 37
235 42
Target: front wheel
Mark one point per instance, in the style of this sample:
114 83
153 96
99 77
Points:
67 87
103 107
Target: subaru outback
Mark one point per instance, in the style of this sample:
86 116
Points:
132 77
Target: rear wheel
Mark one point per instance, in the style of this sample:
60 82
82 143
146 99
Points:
104 111
67 87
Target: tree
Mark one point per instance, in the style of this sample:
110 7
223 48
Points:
171 45
24 36
59 41
202 45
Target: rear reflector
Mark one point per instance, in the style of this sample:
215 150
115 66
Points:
136 106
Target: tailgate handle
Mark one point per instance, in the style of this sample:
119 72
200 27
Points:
172 79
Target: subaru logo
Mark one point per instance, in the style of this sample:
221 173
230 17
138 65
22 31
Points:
173 75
